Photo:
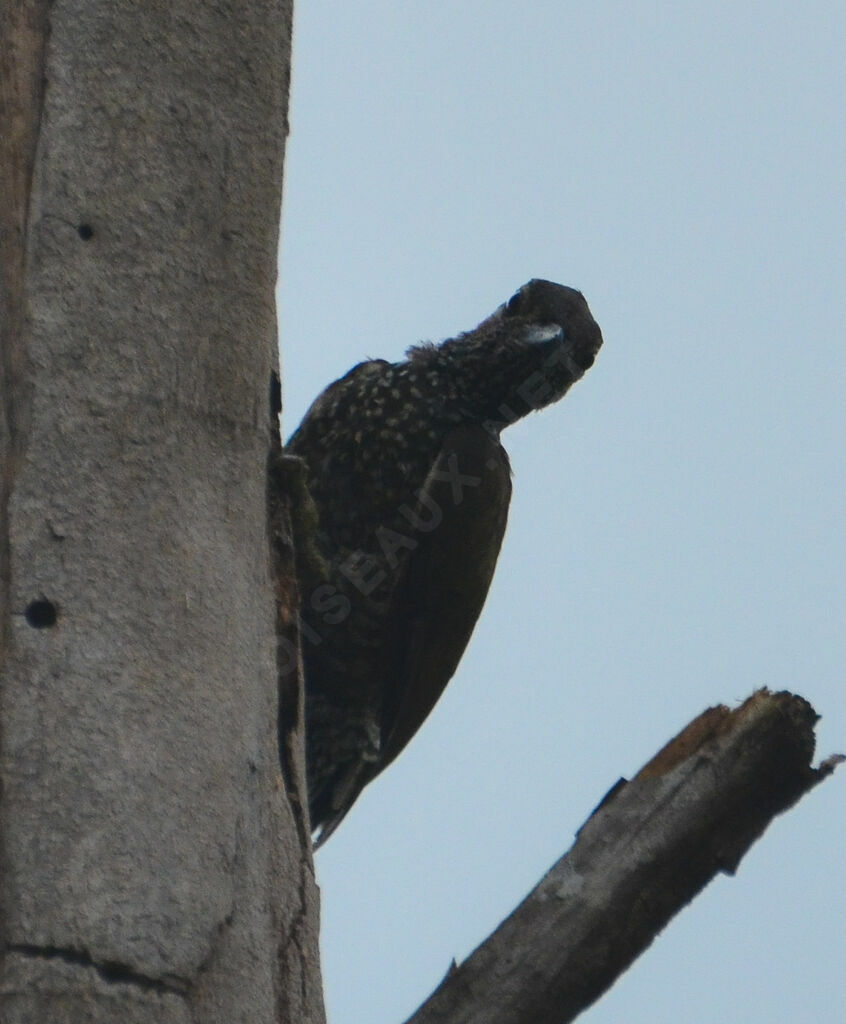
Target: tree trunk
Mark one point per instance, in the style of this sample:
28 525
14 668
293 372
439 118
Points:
154 865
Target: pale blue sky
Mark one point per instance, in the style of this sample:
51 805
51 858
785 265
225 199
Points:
677 533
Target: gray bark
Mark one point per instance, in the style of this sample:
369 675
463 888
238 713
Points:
646 851
153 857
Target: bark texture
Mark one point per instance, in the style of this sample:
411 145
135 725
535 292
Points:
152 857
651 845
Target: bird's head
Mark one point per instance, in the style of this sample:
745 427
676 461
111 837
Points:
526 354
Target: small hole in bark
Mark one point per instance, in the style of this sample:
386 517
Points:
275 395
41 614
85 232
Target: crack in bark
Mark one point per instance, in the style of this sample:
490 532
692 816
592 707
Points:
25 29
291 700
225 923
295 941
110 971
292 938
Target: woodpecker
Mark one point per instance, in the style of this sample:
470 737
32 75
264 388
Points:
408 488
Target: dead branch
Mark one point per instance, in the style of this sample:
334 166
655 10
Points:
650 847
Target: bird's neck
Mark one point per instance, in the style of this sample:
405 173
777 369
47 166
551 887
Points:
469 383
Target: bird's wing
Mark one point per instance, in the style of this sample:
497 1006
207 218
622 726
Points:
323 413
462 516
457 530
